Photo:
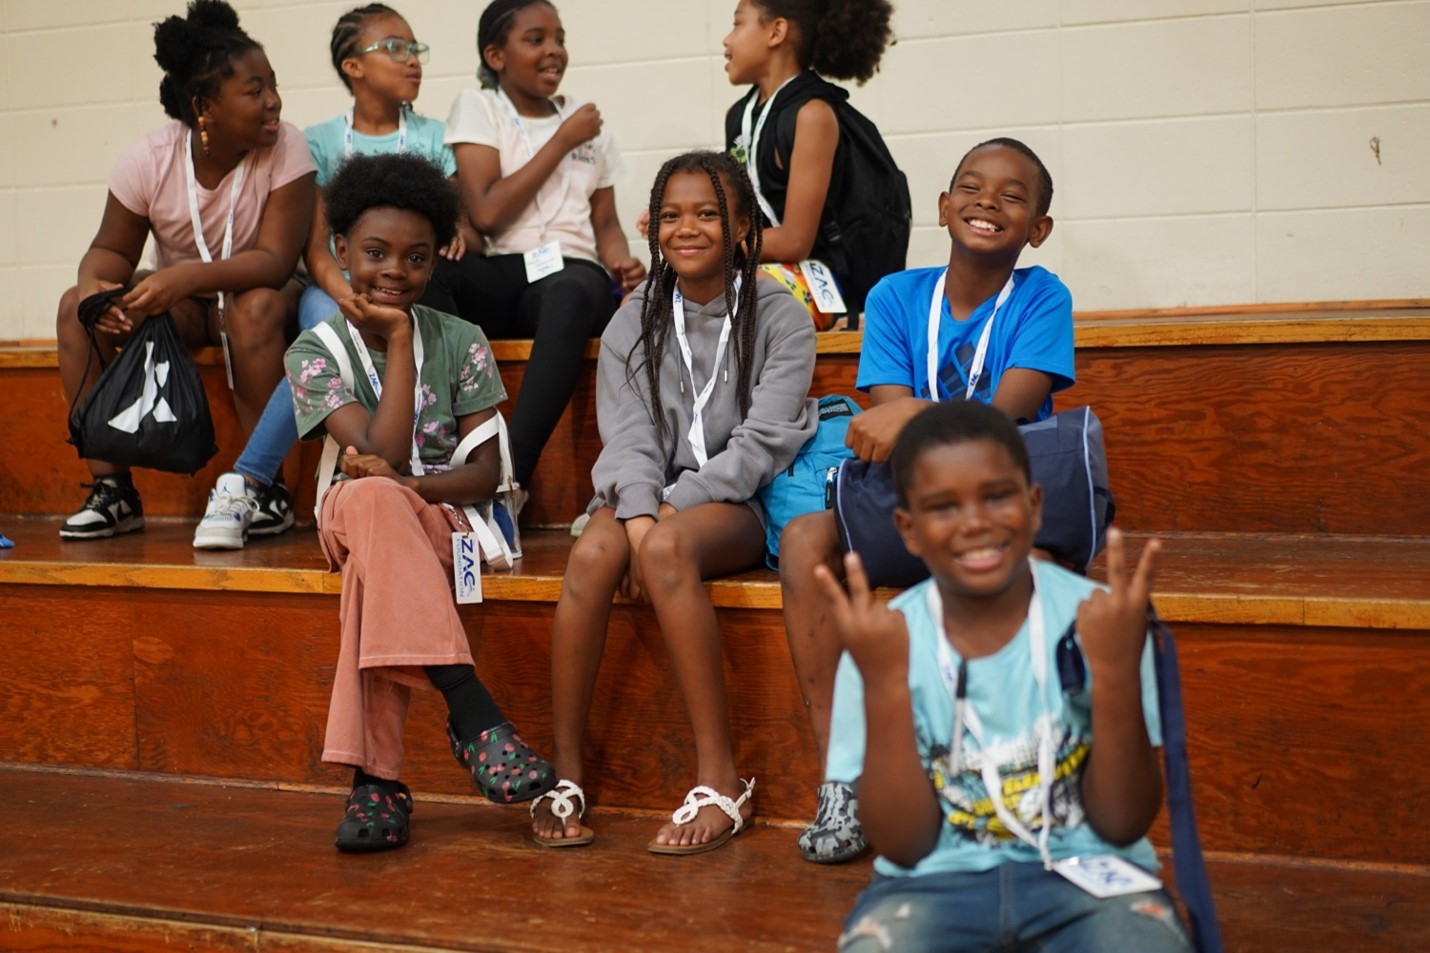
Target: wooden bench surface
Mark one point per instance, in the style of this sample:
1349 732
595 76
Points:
1374 582
127 863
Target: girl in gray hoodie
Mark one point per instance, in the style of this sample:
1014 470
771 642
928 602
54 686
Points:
702 396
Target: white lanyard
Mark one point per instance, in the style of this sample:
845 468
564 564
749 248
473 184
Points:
975 373
193 184
955 679
752 139
417 355
401 133
697 423
546 220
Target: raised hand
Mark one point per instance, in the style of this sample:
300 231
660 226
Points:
875 635
380 319
583 125
1112 623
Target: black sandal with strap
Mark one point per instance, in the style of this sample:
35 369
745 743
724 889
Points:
375 818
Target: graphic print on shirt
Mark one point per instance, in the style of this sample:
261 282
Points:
953 377
964 799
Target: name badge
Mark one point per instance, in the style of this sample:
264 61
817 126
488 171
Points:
822 286
1107 876
466 568
543 261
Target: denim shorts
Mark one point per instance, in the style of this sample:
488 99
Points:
1014 907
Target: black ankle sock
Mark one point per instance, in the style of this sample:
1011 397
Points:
472 707
361 777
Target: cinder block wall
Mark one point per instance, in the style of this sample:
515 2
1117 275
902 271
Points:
1204 151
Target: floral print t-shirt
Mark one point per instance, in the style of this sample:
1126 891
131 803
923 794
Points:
458 377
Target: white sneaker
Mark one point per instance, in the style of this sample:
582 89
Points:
230 511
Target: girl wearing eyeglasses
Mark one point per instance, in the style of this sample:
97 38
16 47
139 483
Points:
537 173
380 62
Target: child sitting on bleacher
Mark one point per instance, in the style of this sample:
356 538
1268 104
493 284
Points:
427 380
990 791
996 205
380 63
702 395
226 191
537 172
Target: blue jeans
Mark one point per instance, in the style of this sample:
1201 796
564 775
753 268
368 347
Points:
276 431
1015 906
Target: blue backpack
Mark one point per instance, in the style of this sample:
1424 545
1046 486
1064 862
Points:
802 486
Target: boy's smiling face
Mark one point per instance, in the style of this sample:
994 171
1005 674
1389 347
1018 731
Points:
971 517
992 205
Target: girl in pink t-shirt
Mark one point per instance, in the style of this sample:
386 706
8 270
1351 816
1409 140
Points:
246 178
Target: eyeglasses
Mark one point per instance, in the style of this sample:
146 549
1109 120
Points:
400 50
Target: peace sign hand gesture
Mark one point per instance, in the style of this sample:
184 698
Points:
875 635
1113 622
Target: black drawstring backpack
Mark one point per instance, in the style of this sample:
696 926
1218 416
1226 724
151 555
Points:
148 408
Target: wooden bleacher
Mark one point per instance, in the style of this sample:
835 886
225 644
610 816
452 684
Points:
163 708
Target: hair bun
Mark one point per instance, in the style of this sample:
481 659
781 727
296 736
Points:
212 15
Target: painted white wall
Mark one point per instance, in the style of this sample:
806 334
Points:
1204 151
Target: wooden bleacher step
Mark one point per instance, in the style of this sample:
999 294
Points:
98 862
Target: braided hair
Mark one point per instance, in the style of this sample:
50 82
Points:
742 260
196 52
844 39
348 32
492 30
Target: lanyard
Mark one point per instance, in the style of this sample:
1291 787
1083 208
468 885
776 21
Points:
417 355
752 139
965 716
975 372
401 133
193 187
697 424
545 219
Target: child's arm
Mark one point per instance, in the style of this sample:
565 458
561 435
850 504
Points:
1122 784
112 258
387 432
493 202
318 255
897 804
811 164
611 244
268 264
630 472
471 482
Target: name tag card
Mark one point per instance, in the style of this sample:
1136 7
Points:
542 261
822 286
466 568
1107 876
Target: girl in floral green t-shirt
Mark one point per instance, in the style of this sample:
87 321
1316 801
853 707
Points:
422 380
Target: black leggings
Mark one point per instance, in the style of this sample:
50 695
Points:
560 313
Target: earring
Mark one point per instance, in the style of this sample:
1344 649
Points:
203 137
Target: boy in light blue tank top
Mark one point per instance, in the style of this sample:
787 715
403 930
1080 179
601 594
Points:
1002 798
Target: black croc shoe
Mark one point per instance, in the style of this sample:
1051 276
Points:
376 819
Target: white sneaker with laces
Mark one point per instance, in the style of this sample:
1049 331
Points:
230 511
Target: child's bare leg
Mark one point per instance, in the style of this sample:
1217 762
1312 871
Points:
681 550
578 637
810 541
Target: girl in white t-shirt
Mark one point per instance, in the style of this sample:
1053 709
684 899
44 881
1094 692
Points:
226 192
537 175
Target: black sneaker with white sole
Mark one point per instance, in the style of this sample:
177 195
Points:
275 511
112 508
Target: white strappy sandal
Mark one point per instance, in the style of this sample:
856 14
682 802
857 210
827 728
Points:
703 796
566 798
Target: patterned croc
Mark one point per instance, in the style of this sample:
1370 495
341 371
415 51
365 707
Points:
699 797
502 765
374 819
836 835
562 807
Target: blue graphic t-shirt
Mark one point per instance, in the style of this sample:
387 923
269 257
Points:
1002 690
1033 330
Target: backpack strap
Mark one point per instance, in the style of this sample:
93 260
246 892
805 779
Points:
331 451
1187 861
496 551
